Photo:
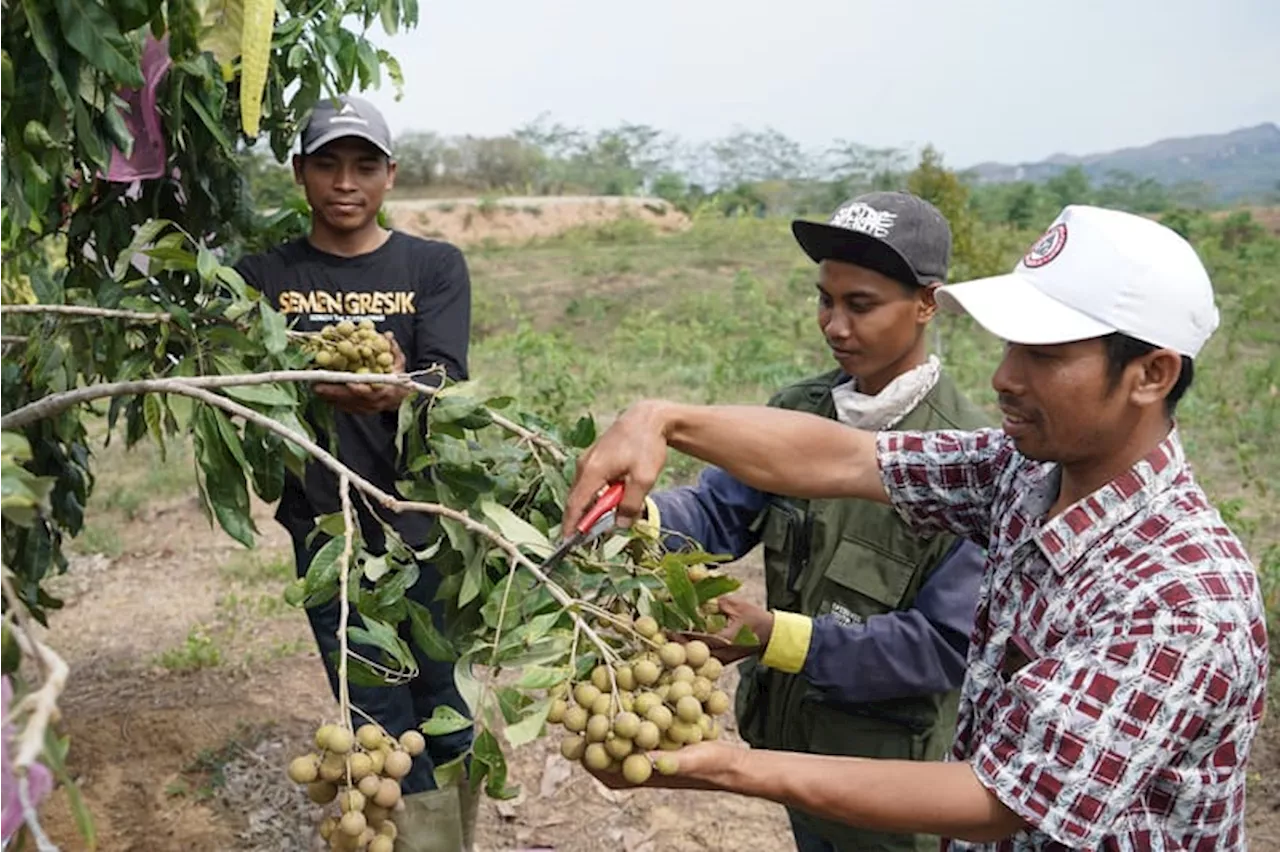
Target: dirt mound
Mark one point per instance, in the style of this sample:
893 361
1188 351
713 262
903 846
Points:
469 221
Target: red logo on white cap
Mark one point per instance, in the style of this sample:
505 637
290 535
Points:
1047 247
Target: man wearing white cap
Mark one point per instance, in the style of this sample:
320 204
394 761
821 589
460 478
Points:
1118 664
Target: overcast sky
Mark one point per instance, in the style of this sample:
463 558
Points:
1008 80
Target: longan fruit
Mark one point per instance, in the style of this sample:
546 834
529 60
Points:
340 741
596 757
702 688
353 823
556 714
382 843
360 765
413 742
625 677
678 690
369 785
698 573
689 709
618 747
322 736
711 669
346 328
697 653
327 827
397 765
682 673
322 792
332 767
351 800
644 702
379 758
660 716
304 770
637 769
585 694
575 719
648 735
717 703
626 725
668 764
600 678
646 673
672 654
646 626
369 737
597 728
388 793
603 705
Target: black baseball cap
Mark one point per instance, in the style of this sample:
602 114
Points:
894 233
342 117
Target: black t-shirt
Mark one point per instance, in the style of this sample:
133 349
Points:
420 291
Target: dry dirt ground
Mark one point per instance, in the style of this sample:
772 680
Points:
471 221
177 750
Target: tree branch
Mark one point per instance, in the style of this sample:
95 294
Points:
530 436
193 387
87 311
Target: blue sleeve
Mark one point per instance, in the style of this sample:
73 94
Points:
917 651
719 513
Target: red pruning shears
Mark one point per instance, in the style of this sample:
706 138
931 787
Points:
597 521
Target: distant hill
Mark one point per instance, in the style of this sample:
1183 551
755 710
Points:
1240 165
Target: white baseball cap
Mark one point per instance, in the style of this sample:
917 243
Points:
1092 273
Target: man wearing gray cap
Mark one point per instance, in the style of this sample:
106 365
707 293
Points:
418 294
866 625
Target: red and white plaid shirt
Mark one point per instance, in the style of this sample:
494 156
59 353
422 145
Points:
1118 664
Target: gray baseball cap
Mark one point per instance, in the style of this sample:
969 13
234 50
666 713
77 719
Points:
344 116
894 233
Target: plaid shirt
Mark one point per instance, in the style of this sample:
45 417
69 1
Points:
1118 664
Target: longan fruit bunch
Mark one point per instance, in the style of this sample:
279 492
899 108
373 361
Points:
351 347
667 698
362 772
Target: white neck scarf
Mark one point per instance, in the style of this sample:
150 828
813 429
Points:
885 409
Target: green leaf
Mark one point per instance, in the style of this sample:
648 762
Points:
487 751
153 413
472 579
383 636
220 29
512 527
583 433
714 587
89 28
370 70
206 264
529 727
359 673
539 677
274 330
230 437
451 774
389 11
322 573
746 636
444 721
268 395
376 567
146 234
426 636
682 593
214 128
34 13
468 687
395 588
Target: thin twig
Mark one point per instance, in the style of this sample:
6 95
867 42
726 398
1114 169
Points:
87 311
11 339
29 817
530 436
344 610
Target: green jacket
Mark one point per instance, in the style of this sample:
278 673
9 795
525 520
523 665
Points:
855 559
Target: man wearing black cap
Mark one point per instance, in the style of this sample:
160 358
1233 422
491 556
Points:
865 636
418 293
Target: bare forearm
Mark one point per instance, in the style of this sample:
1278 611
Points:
900 796
779 451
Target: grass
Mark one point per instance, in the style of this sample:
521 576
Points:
197 651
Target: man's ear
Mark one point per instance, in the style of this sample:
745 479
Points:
297 169
391 174
928 302
1156 374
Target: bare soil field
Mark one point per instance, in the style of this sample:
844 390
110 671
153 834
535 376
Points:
472 221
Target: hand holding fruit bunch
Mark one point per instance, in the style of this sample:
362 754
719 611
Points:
361 350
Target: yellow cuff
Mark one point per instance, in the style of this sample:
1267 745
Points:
789 643
650 526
